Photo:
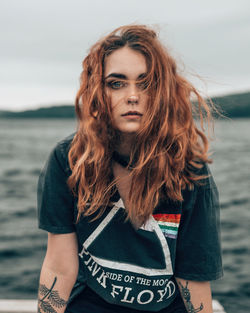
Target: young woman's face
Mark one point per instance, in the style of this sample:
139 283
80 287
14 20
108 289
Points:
123 68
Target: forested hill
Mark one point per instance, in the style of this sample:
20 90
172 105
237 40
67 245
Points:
62 111
232 106
235 105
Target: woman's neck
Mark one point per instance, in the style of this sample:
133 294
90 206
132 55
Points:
124 147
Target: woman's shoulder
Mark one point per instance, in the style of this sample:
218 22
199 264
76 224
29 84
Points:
200 172
203 182
206 180
61 150
64 144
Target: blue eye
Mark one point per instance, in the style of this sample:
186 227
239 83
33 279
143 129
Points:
143 84
116 84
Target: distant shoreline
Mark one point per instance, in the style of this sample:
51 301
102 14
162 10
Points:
231 106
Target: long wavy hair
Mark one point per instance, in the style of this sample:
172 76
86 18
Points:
169 145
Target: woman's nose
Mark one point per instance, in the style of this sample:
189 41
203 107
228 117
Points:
133 99
133 95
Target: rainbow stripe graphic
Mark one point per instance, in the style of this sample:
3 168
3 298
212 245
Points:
168 223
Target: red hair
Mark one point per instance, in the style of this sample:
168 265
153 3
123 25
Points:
168 146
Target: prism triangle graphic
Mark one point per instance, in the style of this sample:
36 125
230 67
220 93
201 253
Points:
116 245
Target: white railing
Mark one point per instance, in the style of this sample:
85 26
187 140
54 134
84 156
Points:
30 306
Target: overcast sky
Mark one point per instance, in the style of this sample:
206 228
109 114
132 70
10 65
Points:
43 42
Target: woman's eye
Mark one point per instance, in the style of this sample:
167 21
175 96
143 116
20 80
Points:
142 85
116 84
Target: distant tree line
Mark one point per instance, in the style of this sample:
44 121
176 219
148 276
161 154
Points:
234 106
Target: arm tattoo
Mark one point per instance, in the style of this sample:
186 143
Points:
187 297
49 299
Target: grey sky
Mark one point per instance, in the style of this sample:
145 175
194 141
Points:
42 43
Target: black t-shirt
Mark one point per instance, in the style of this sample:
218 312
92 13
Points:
128 268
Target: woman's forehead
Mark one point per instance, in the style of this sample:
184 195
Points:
125 61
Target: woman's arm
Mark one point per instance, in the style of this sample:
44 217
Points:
59 273
196 295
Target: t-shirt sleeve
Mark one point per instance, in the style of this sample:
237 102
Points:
198 254
55 200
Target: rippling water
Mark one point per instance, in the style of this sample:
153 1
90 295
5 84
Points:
25 145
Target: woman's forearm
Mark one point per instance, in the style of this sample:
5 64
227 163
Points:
59 273
54 290
196 295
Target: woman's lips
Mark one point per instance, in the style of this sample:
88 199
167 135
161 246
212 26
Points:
132 117
132 114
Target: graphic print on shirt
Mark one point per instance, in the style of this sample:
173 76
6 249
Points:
135 268
169 224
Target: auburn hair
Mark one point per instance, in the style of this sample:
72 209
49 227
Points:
169 145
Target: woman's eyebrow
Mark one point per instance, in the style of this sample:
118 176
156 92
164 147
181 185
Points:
117 75
142 75
122 76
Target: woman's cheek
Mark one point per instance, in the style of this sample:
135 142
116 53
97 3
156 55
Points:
117 98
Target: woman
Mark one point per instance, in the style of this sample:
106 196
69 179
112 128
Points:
128 201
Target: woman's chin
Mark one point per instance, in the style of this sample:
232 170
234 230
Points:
129 129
